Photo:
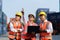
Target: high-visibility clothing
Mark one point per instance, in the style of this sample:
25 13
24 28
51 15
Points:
29 36
8 27
29 24
48 28
15 31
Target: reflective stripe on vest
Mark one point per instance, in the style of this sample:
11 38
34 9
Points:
44 27
17 26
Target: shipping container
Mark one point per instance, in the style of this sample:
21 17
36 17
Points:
4 31
4 18
55 19
3 23
0 28
0 16
0 5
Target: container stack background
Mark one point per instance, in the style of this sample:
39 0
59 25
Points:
3 21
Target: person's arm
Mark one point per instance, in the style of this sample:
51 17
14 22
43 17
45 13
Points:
21 29
49 28
12 28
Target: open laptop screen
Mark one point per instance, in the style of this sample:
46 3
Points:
34 29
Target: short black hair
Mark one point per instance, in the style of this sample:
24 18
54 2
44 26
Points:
31 15
41 15
18 16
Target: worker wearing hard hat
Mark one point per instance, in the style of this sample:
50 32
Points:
16 27
30 23
45 27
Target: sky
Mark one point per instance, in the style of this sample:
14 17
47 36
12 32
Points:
10 7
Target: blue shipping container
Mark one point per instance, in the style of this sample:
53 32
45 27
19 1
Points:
0 16
0 28
0 5
4 28
3 21
4 18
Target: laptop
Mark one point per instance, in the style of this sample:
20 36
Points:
34 29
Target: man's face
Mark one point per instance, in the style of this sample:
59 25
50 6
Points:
42 18
18 18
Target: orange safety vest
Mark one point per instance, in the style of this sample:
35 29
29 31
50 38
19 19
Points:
8 26
28 24
12 33
16 27
44 27
25 33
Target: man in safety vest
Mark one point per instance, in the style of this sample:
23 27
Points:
16 27
30 23
45 27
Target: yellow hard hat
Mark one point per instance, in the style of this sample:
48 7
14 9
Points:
42 13
19 14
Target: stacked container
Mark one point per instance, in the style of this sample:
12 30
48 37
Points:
0 17
0 22
55 19
4 23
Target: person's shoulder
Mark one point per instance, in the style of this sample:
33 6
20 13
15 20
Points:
49 22
12 22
